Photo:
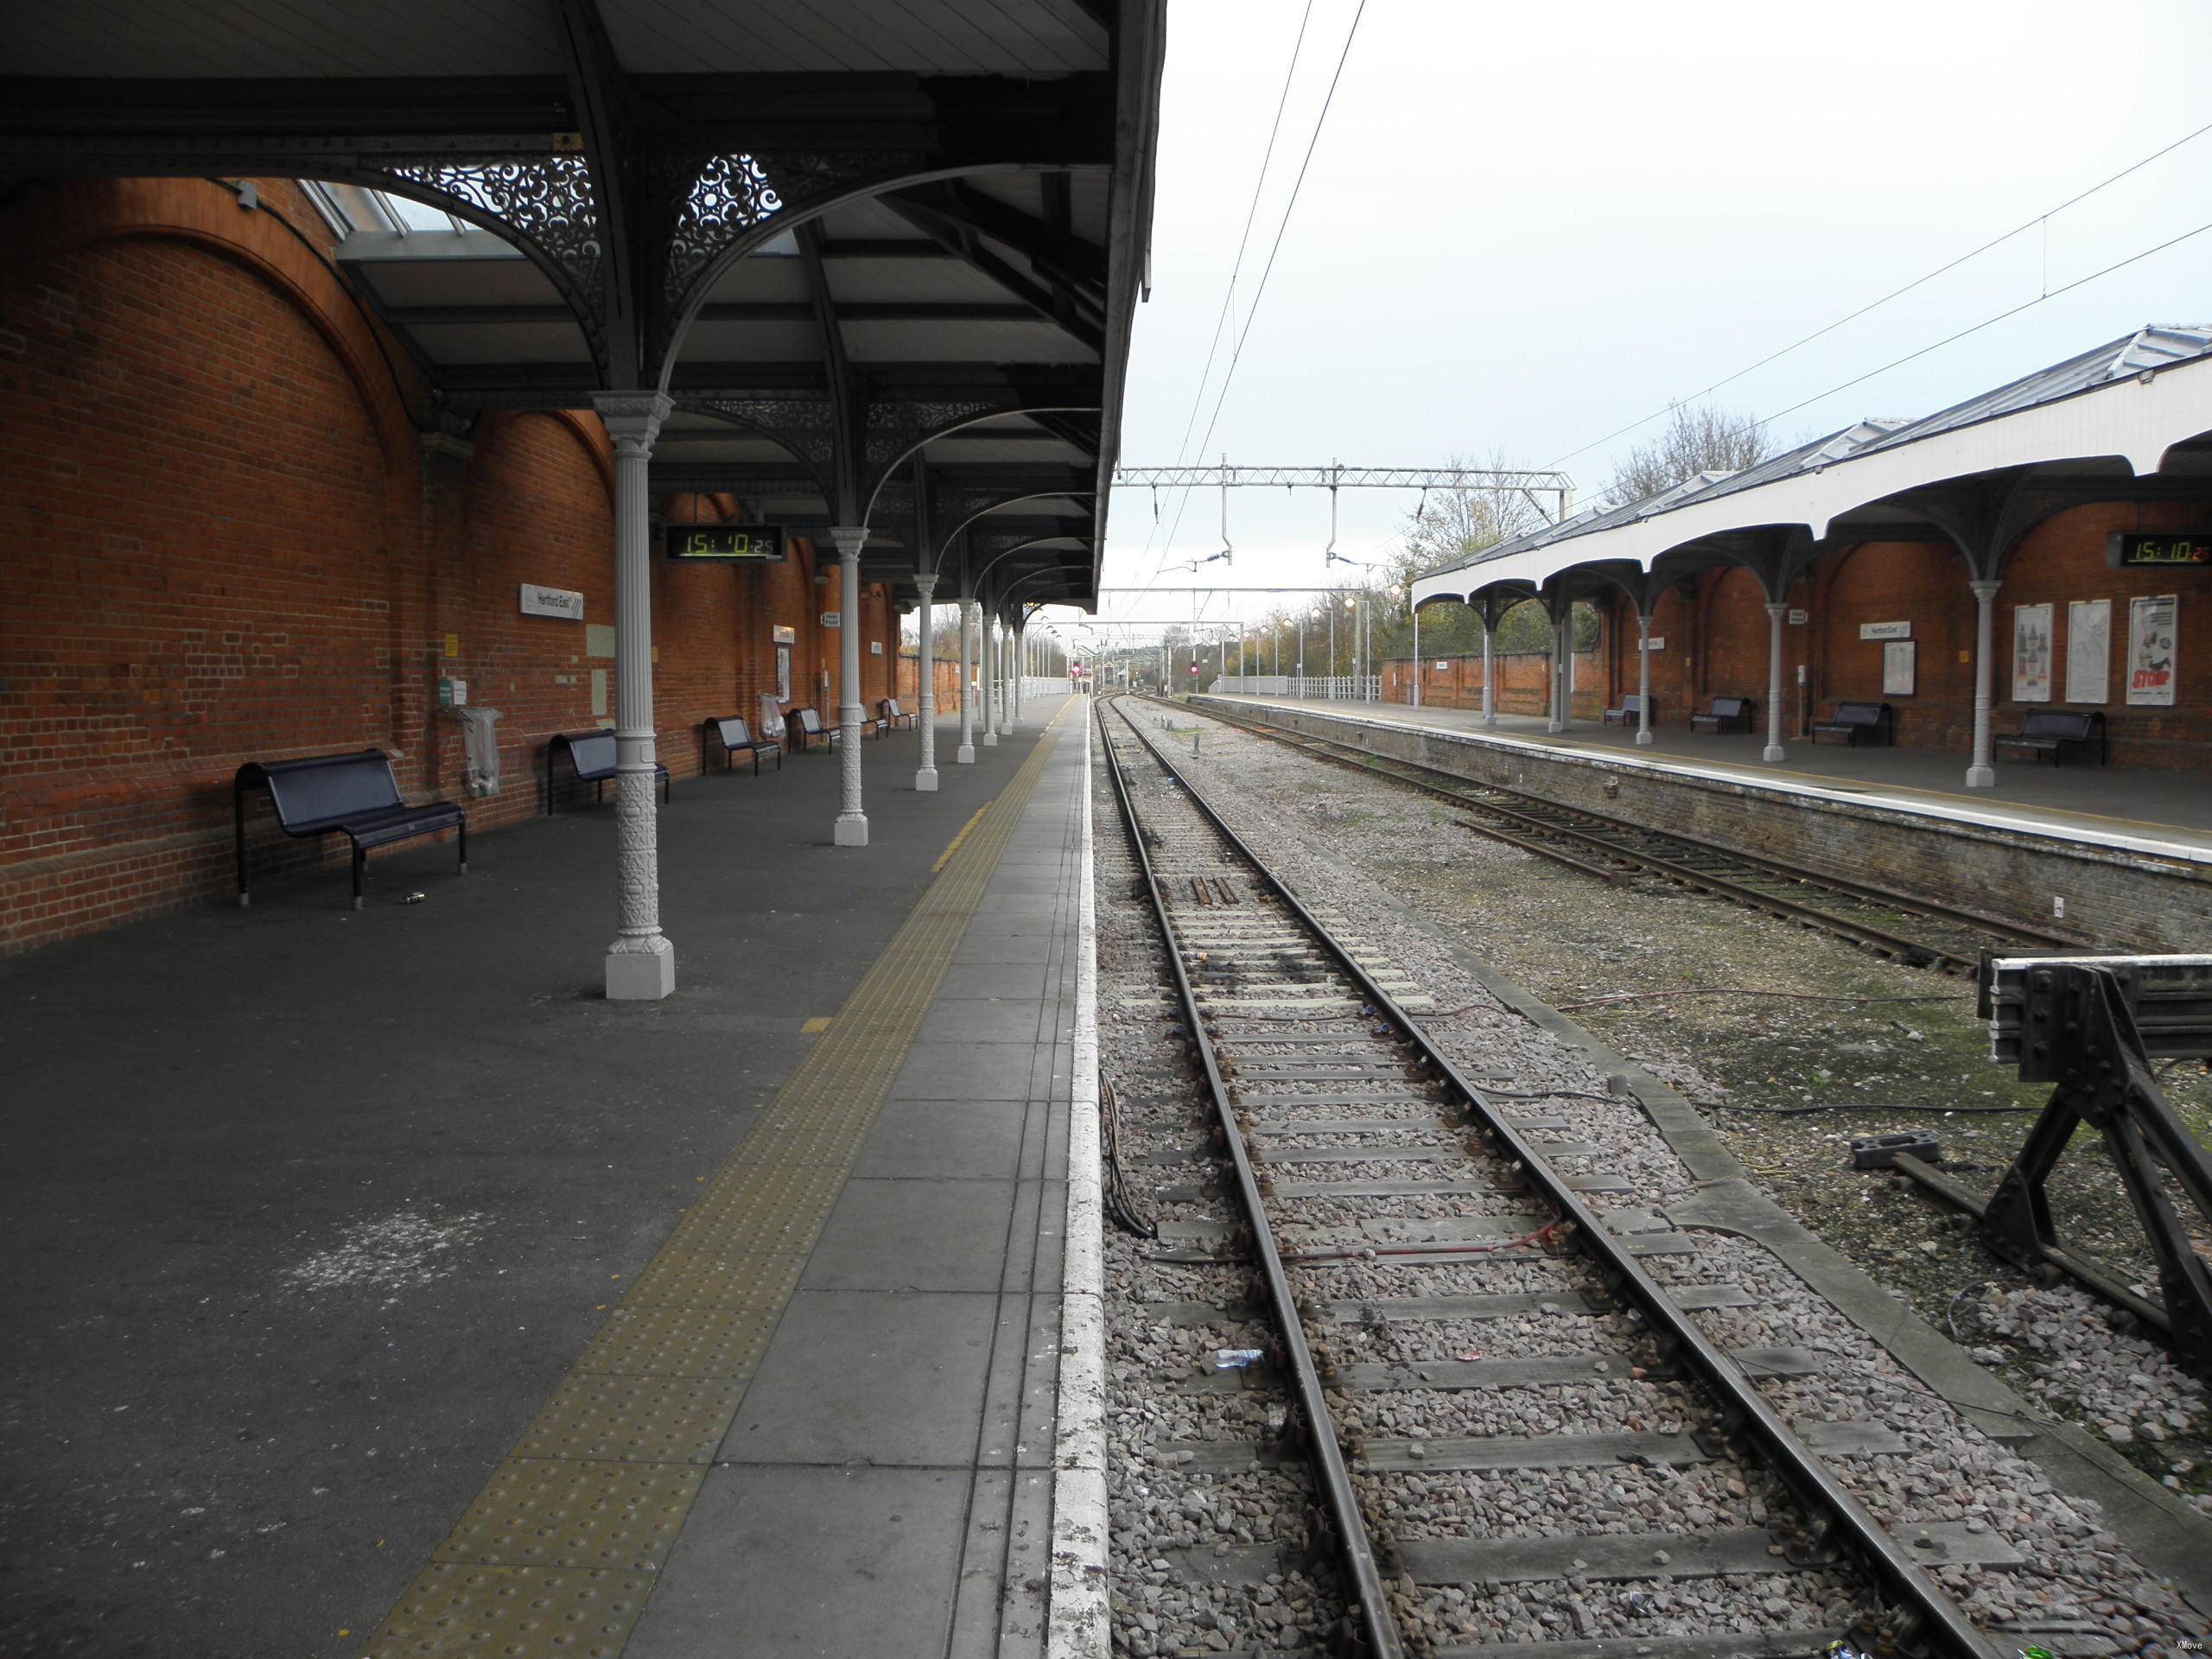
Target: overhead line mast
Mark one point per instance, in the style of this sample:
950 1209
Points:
1531 484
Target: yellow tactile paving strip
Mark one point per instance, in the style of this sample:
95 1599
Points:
560 1550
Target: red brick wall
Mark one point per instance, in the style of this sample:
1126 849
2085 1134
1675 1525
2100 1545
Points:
225 541
1516 680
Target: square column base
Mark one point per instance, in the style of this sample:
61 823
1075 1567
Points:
990 740
1982 777
850 830
1771 754
641 976
1643 740
966 756
925 779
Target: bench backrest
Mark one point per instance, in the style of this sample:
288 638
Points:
1632 704
1731 708
733 733
331 786
809 722
591 752
891 708
2056 723
1859 714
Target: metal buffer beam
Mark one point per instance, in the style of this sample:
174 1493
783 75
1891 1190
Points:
2094 1026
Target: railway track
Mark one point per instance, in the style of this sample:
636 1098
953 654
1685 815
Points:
1892 924
1359 1154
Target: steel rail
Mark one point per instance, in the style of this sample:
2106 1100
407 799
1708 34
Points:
1934 1615
1689 875
1357 1547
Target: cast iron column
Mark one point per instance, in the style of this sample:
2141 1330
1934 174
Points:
991 668
965 755
1557 721
1014 643
641 963
1772 754
1489 697
925 692
1643 679
1982 774
851 828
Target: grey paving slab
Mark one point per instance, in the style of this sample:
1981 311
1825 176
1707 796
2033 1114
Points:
838 1562
959 1140
973 982
922 1235
1003 946
1006 1020
963 1071
888 1378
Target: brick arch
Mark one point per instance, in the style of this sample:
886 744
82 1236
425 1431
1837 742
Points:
46 223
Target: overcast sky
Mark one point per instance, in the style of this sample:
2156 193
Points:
1525 227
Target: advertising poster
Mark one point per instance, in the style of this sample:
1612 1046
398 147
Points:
2153 634
2031 653
2088 650
1897 668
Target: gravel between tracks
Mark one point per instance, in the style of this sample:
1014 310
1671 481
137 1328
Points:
2073 1569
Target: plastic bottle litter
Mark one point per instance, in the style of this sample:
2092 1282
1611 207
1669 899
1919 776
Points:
415 898
1234 1359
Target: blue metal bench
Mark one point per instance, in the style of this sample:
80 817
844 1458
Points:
1631 706
592 755
888 714
1727 714
2054 731
351 795
733 736
810 728
1872 722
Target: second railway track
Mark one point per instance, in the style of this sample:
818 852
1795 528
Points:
1393 1211
1898 925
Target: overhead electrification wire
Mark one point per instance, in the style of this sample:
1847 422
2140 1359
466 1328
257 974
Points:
2041 218
1221 323
1251 311
1986 322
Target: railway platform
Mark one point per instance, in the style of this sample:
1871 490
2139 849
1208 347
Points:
2120 857
2093 804
379 1287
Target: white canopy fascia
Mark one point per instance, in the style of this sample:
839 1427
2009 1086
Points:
2137 419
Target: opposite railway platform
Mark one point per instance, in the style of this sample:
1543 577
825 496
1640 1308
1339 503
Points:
2103 857
410 1298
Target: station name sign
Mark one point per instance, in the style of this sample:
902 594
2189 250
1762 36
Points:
1885 630
2131 549
724 544
537 600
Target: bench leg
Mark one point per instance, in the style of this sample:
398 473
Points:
360 859
464 846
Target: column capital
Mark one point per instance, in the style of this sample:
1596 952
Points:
850 538
1985 587
632 418
1777 611
926 584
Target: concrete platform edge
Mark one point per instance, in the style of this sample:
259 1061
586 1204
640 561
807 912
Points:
1078 1625
2163 1531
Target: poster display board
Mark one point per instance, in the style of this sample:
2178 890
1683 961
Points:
1897 668
2153 632
2031 653
2088 650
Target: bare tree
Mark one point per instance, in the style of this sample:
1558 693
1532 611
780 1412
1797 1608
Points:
1704 439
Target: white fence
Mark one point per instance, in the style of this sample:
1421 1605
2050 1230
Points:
1341 688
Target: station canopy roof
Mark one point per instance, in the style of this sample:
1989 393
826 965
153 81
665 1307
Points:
882 254
2094 426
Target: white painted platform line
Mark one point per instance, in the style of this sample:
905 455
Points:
1077 1627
